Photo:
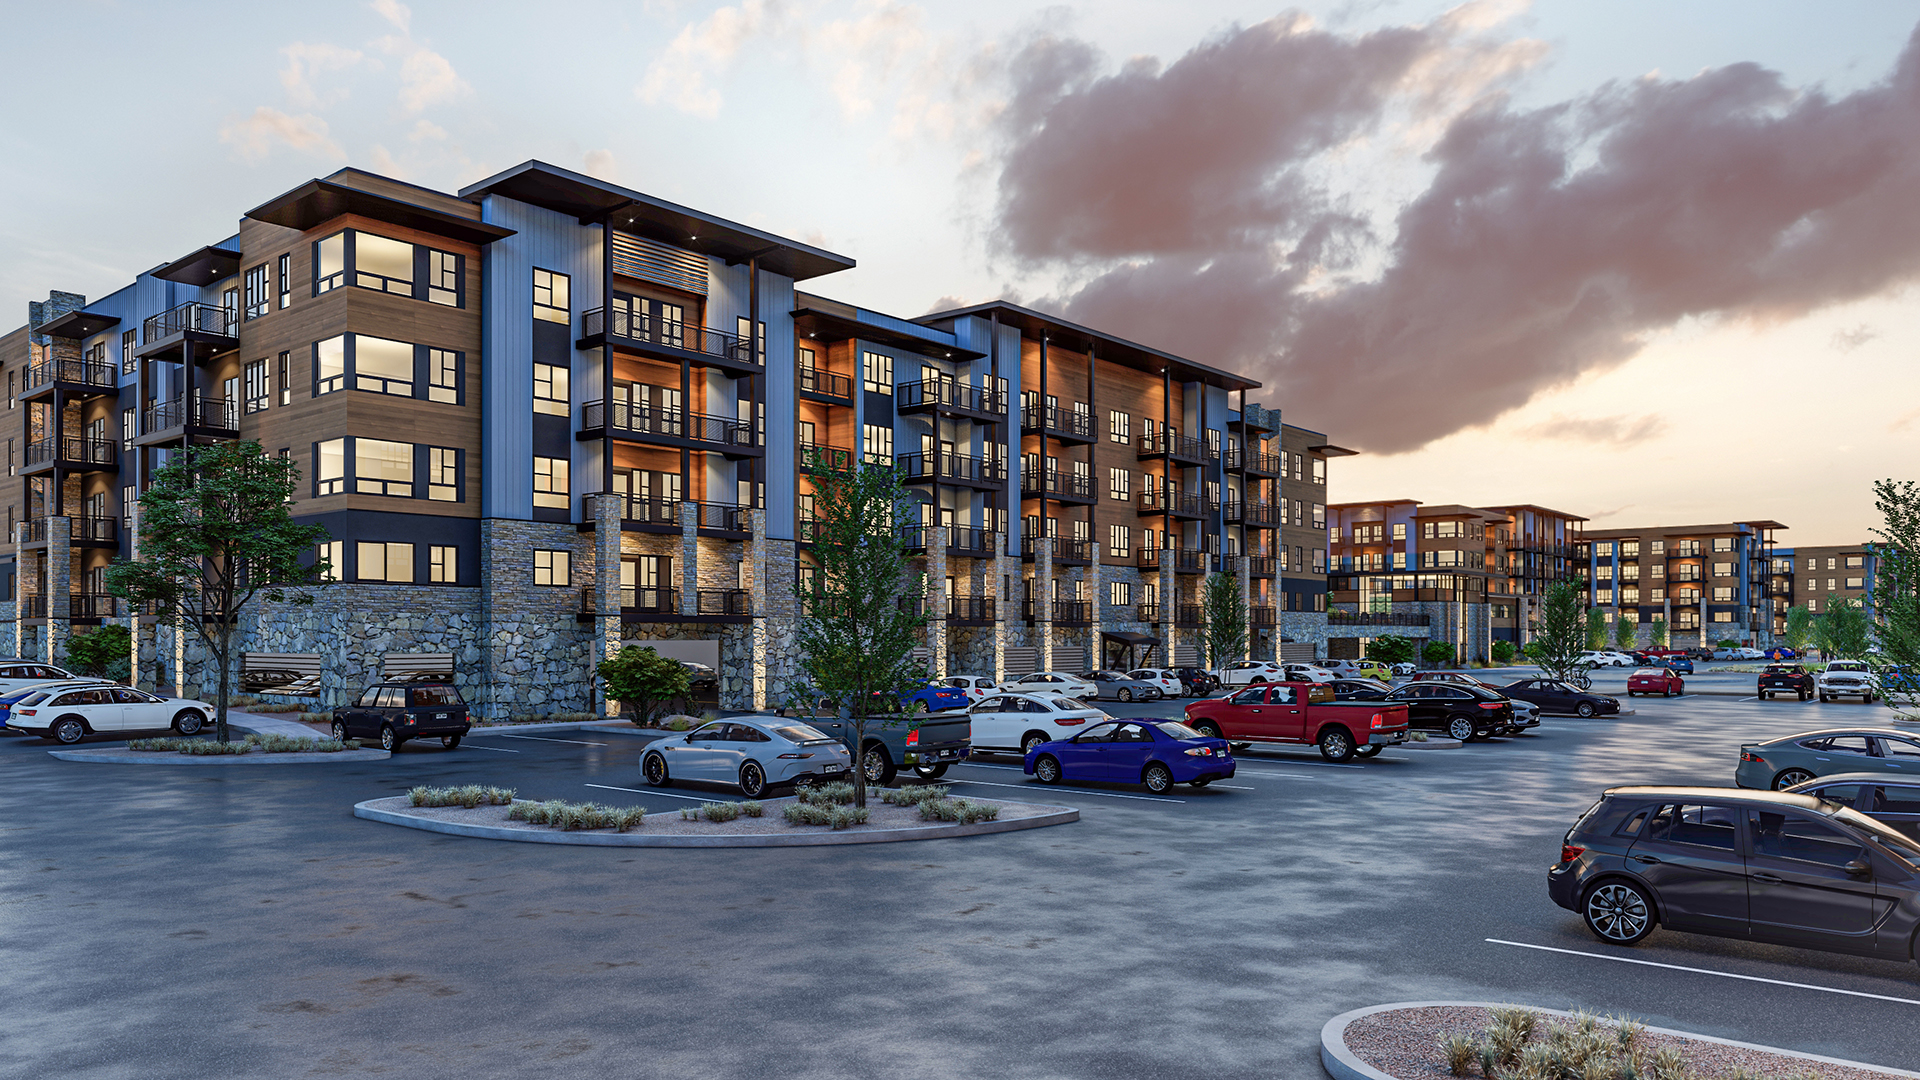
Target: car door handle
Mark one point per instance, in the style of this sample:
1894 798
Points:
1767 879
1648 859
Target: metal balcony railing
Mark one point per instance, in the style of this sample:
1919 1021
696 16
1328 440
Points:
650 510
192 316
200 412
649 601
1180 447
1232 510
1189 615
972 542
1261 615
970 609
949 393
103 529
643 329
1070 549
1263 565
1257 462
730 517
72 448
1261 515
95 373
1056 484
1171 501
1377 618
960 468
1053 420
1147 611
1190 560
635 420
723 602
829 458
91 606
826 384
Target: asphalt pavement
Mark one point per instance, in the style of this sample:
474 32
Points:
209 922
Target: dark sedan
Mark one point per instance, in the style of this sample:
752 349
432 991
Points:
1360 690
1554 696
1463 712
1761 866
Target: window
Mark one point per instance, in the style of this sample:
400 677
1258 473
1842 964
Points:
382 468
1319 470
443 474
1603 550
740 327
1856 562
129 344
1119 541
552 567
329 263
1723 616
330 467
1603 572
443 564
329 365
1399 531
550 484
1701 826
1319 560
551 301
443 279
1119 426
876 443
877 372
550 393
256 376
1856 583
258 299
1783 836
285 267
1319 516
126 430
1119 485
381 366
333 555
1722 594
443 376
286 388
1722 543
391 563
1120 593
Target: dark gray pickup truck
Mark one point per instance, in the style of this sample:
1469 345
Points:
925 742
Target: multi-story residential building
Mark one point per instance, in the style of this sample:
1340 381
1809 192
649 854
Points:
1403 567
546 415
1526 554
1816 576
1303 549
1710 583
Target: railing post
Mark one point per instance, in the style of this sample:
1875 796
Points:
689 558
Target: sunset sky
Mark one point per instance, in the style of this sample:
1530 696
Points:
1653 263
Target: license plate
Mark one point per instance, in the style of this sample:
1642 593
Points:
439 716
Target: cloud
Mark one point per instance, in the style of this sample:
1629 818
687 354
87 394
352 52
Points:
304 61
600 164
1904 421
254 137
1599 515
678 77
1189 207
1845 341
426 79
396 13
1599 430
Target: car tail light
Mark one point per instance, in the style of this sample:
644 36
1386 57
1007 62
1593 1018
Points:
1493 704
1569 852
1378 720
1200 751
1069 721
794 757
28 712
1748 755
913 737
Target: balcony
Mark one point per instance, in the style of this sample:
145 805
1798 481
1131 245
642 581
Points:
1377 618
70 453
1261 615
986 474
970 543
189 418
1067 549
672 341
1178 448
669 427
77 378
1259 515
85 531
1147 611
949 397
169 334
723 604
1232 510
1255 463
1190 561
1066 425
1172 502
837 459
1263 566
723 517
1189 615
650 514
1065 612
80 606
1056 485
817 385
970 610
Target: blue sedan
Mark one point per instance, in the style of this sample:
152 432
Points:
1154 753
1680 664
931 698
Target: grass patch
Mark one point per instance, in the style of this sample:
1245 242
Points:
276 707
957 810
913 796
266 744
316 718
560 814
836 817
837 794
469 796
1516 1045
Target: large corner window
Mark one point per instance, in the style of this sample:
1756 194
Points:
552 300
329 263
383 366
550 484
383 264
329 365
383 468
330 468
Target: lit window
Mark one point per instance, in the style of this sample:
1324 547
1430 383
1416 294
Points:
1119 426
257 391
443 564
550 484
876 442
551 301
330 468
329 365
552 567
1119 485
443 279
443 376
258 300
286 280
382 264
443 474
550 393
391 563
333 556
329 263
877 370
286 388
1319 470
381 366
1119 541
1120 593
129 344
383 468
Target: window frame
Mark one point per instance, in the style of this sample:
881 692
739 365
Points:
558 563
557 494
548 310
258 296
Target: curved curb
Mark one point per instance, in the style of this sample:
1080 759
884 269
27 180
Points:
1061 816
1343 1064
1426 744
163 757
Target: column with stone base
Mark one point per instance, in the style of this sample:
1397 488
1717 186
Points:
605 510
59 587
1169 606
999 582
757 603
1043 600
689 558
1243 570
936 593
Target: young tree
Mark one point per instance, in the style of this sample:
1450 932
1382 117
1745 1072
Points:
1437 653
1596 629
1657 632
1844 631
1391 649
1504 651
1896 595
856 639
643 682
214 534
1799 632
1560 635
1226 619
1626 633
101 652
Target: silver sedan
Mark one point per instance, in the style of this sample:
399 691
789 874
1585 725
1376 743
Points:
748 753
1119 686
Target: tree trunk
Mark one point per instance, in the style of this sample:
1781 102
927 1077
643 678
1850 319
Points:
220 703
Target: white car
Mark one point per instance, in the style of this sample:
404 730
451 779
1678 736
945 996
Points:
975 687
1847 678
1168 682
1605 658
747 752
1016 723
16 675
1248 672
67 714
1404 667
1307 673
1057 682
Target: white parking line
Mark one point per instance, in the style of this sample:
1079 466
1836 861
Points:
1076 791
536 738
1231 787
495 749
662 794
1706 971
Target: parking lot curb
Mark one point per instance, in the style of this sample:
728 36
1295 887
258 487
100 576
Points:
1343 1064
254 757
1430 744
373 810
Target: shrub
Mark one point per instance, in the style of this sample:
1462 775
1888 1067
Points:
720 811
912 796
560 814
643 681
803 813
101 652
1460 1051
751 808
844 816
1503 652
678 724
469 796
316 718
208 747
287 744
277 707
1437 652
957 810
839 794
571 717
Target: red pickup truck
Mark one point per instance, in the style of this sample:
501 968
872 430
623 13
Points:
1303 714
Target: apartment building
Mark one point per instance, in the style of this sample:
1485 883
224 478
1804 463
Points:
545 415
1303 540
1400 566
1710 583
1529 552
1816 576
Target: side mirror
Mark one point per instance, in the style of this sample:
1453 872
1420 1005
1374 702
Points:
1859 868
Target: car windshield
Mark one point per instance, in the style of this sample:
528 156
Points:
1649 671
1846 665
1179 730
800 733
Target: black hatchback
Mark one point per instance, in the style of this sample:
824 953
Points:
1463 712
394 712
1760 865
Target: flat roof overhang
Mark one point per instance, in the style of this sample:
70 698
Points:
1330 450
1107 347
593 201
811 322
79 324
201 268
317 202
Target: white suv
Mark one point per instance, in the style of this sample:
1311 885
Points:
1605 658
975 687
1847 678
1248 672
1016 723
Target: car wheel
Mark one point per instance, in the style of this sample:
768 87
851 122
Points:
1618 913
449 741
921 706
1367 751
189 722
878 765
1034 739
1461 727
1336 745
1584 710
930 772
1208 728
1825 698
388 740
1790 777
69 730
1766 695
1124 694
1157 778
1258 679
1803 695
1046 769
339 732
654 768
753 780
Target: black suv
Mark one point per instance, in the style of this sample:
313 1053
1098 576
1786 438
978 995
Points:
1762 865
394 712
1198 682
1463 712
1786 679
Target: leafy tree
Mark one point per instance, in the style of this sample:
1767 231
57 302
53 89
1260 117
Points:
644 683
215 533
1844 630
102 652
1226 619
1727 643
1896 593
1799 632
856 639
1626 633
1596 629
1560 634
1391 649
1437 653
1657 632
1504 652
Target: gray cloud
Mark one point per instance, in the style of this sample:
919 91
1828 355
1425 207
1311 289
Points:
1845 341
1599 430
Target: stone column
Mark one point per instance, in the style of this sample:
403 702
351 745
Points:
1043 600
1169 606
21 579
999 580
937 598
606 511
139 636
757 603
59 587
1243 569
689 558
1096 573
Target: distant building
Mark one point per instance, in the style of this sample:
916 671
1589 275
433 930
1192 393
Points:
1816 576
1710 583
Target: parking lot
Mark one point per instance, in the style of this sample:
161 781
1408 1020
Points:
238 921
